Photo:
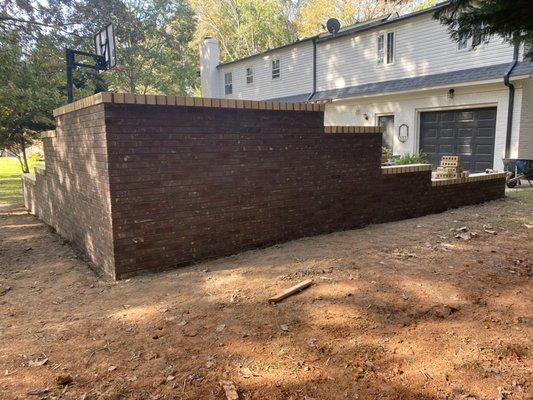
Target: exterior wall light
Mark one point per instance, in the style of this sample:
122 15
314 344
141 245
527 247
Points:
403 133
451 93
365 116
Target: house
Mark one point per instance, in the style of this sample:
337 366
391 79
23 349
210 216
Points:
473 98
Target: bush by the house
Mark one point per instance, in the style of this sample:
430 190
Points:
418 158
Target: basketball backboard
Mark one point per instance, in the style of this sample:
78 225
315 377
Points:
104 42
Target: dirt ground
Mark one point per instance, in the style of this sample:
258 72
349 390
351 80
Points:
402 310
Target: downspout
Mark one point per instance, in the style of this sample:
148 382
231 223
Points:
510 109
314 71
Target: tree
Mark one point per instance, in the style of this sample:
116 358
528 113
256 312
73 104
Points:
28 96
510 19
153 43
314 13
244 27
424 4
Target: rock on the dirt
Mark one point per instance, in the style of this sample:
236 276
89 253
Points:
230 390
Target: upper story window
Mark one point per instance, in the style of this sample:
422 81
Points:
228 83
249 75
276 70
386 48
390 47
381 48
463 43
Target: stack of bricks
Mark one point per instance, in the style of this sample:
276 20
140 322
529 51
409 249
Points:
450 168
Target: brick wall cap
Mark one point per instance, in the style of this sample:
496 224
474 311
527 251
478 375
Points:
129 98
403 169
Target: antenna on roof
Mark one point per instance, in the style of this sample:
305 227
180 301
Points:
333 25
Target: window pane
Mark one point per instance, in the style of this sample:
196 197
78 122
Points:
275 69
249 75
381 42
228 86
390 47
463 42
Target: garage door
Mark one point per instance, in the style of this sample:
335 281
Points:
468 133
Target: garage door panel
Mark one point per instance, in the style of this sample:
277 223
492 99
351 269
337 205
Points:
484 150
446 133
465 132
464 150
486 132
465 116
431 133
468 133
487 114
482 165
445 149
446 117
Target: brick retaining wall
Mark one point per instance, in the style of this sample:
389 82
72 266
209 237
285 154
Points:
155 186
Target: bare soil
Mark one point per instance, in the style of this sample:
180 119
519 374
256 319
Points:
397 311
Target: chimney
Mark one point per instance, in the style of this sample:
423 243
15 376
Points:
209 59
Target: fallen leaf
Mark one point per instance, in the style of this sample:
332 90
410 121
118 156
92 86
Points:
37 362
63 380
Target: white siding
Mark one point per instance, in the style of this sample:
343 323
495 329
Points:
296 74
525 141
407 108
423 47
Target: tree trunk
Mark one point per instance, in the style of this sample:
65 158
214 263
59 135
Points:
25 167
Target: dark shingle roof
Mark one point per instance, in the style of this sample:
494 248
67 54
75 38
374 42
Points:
419 82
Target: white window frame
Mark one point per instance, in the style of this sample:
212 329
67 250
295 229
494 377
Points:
389 46
272 69
249 76
228 85
383 46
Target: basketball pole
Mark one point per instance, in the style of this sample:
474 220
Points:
100 64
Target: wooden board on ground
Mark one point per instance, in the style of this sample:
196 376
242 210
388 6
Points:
289 292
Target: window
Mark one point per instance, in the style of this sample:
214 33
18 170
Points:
479 36
228 83
476 37
249 75
463 43
276 71
390 47
381 46
386 49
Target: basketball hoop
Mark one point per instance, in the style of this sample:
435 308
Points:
104 57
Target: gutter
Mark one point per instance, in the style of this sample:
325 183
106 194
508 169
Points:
510 108
314 71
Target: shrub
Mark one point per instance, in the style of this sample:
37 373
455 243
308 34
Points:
419 158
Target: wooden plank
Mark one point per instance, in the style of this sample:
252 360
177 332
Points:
289 292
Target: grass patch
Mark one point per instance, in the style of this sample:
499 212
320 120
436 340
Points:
11 180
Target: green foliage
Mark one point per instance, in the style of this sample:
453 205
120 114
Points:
424 4
243 27
28 96
513 20
313 14
418 158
